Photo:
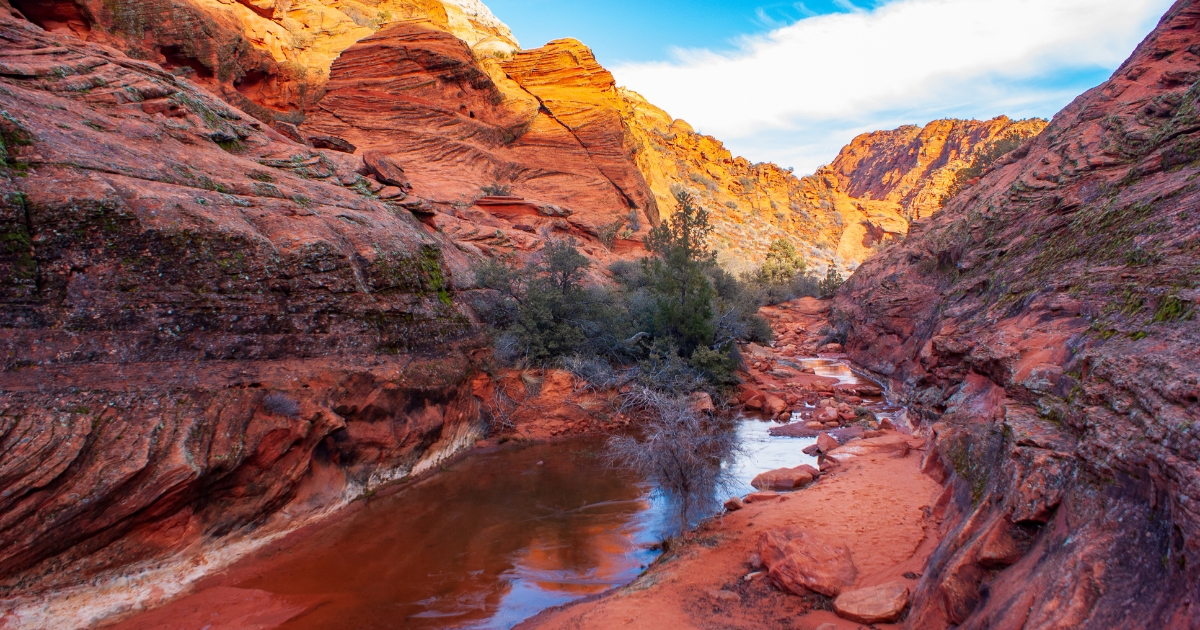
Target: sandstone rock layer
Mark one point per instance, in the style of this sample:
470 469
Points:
208 331
1045 324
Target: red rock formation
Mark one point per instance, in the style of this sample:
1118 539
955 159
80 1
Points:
1045 324
268 57
549 133
207 330
914 166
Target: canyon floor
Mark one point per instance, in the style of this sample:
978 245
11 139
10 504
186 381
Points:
879 506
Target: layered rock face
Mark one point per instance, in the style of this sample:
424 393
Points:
914 166
1047 325
544 125
268 57
443 86
842 214
207 329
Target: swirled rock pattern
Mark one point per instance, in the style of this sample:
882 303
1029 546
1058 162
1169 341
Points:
268 57
208 331
1047 324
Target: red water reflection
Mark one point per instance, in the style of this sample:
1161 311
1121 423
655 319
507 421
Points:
487 544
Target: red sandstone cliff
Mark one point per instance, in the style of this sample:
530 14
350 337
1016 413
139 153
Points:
914 166
1046 325
443 88
209 333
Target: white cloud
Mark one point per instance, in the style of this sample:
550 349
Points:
799 93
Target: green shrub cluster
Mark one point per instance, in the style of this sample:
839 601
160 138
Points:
671 321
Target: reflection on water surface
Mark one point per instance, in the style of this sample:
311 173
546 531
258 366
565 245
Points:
499 537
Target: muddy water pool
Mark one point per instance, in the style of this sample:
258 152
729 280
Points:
494 539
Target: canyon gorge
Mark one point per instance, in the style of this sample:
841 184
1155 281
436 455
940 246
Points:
237 252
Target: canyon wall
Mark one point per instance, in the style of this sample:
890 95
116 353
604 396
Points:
235 258
209 333
1046 327
270 58
915 167
443 87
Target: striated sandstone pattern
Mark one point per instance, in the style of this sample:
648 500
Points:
208 333
1047 326
543 125
268 57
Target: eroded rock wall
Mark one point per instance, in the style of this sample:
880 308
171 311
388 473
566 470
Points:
1047 326
207 330
915 166
270 58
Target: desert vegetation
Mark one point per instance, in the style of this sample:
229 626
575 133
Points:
664 333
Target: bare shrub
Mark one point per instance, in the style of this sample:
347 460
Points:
281 405
595 373
499 414
496 189
608 233
680 451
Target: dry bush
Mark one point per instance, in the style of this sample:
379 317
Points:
680 451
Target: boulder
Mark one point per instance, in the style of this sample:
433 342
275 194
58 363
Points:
385 169
759 497
874 604
734 504
289 131
755 402
785 478
331 142
811 449
800 562
701 402
815 426
825 414
774 405
826 443
390 192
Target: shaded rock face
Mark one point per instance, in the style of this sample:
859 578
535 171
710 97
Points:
914 166
206 328
1045 324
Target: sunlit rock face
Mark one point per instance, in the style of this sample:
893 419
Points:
1046 323
552 125
842 214
915 167
269 57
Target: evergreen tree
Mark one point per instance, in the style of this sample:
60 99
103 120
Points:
676 276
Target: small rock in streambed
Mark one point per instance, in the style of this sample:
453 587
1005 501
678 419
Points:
874 604
758 497
786 478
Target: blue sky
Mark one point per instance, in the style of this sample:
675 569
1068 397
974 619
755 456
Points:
792 83
621 31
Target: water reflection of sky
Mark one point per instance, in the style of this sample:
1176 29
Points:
501 536
763 452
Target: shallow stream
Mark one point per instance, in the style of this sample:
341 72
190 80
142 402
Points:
496 538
